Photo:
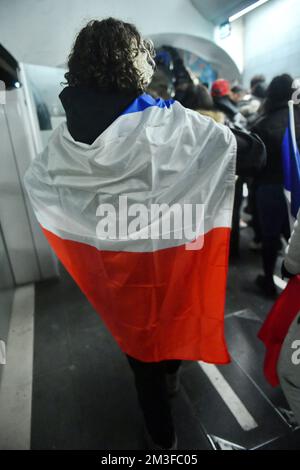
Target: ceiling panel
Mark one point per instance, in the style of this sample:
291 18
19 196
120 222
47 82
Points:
218 11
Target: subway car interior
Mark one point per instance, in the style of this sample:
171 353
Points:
167 342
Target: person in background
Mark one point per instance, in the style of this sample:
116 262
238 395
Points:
288 370
159 86
258 87
251 103
197 98
250 106
221 94
270 199
236 94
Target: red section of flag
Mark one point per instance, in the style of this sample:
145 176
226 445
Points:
276 326
167 304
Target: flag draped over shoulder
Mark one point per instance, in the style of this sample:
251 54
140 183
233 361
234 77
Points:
291 164
159 299
276 326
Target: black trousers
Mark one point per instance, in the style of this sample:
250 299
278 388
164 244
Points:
151 387
236 215
274 221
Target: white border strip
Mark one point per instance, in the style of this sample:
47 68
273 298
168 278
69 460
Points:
16 382
230 398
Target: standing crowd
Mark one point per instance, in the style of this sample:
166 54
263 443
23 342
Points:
263 111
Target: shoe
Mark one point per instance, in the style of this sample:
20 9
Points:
151 445
267 287
173 383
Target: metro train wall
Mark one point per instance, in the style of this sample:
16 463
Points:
271 40
29 256
51 34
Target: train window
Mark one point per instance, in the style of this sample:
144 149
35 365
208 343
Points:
43 84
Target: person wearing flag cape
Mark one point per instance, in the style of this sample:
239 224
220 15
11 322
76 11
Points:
161 298
281 330
288 366
277 176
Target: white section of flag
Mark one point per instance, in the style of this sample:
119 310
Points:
157 156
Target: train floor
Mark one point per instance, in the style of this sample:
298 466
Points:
83 392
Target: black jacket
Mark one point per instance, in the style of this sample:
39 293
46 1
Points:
225 105
271 127
90 111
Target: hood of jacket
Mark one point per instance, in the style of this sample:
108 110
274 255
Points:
89 111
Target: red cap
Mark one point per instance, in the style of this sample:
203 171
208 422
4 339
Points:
220 87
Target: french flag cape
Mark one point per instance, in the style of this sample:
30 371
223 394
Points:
159 298
276 326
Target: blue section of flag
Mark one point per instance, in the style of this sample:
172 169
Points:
145 101
291 170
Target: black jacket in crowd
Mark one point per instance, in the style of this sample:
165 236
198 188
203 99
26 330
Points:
271 128
90 111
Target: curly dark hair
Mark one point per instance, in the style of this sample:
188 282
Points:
102 56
